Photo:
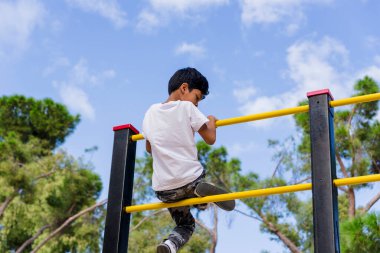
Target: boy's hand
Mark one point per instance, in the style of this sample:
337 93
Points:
212 121
208 130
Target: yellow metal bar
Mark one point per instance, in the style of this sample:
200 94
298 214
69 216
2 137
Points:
357 180
355 100
283 112
249 194
221 197
252 117
137 137
264 115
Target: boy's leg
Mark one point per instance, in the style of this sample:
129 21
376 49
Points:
182 216
185 225
206 189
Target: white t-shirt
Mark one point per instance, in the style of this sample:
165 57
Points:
170 128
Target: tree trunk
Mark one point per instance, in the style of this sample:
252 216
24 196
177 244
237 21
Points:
213 232
67 223
272 227
6 203
351 203
214 235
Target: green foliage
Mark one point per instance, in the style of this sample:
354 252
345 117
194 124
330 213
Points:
45 120
59 187
361 235
40 189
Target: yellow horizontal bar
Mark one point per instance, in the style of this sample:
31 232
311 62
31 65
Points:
357 180
283 112
221 197
251 117
264 115
355 100
251 193
137 137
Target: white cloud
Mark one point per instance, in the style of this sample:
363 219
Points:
18 20
77 100
274 11
56 64
109 9
191 49
371 71
237 149
79 79
184 5
377 59
372 42
244 94
161 12
80 75
312 65
147 21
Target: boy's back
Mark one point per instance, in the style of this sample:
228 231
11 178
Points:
170 128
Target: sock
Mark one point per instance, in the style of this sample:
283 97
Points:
173 248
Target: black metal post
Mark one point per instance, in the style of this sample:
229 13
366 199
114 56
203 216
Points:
116 231
323 171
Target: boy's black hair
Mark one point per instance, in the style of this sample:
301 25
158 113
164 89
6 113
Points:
192 77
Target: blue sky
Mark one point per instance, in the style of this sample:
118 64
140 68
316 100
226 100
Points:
110 60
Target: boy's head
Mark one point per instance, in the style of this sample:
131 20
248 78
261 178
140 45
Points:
190 76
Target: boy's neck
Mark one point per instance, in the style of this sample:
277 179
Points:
174 96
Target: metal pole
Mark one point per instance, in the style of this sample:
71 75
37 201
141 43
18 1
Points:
323 171
116 231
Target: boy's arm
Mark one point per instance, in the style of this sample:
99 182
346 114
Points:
148 147
208 130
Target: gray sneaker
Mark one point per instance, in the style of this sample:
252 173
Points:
166 246
204 189
163 248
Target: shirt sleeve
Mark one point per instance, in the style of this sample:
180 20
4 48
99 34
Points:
145 126
197 118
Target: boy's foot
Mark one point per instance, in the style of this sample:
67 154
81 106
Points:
206 189
166 247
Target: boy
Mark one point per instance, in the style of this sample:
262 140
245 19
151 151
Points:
169 129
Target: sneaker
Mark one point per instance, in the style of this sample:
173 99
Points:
204 189
166 247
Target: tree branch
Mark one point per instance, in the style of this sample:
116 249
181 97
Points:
146 218
303 180
273 228
67 223
6 203
371 203
31 239
341 164
278 165
248 215
212 232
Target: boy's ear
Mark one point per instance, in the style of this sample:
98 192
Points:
184 87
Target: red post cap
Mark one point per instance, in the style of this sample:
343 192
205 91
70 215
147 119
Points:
319 92
126 126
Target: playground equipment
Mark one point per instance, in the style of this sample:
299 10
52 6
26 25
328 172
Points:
324 182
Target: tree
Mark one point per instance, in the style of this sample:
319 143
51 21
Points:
357 152
361 234
45 120
45 194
